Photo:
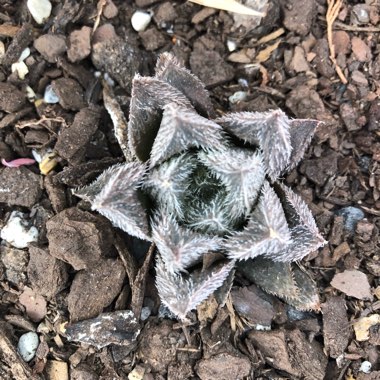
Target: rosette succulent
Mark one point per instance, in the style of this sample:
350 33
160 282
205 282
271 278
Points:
194 185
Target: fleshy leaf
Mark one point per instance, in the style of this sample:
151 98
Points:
241 171
180 247
285 280
168 183
89 192
269 130
181 294
266 233
304 232
308 298
119 200
182 129
211 217
301 132
170 70
274 277
149 96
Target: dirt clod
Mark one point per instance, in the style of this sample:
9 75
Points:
94 289
19 186
78 238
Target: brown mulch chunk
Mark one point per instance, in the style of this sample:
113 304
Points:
70 93
20 186
51 46
94 289
79 238
336 331
47 275
11 98
72 141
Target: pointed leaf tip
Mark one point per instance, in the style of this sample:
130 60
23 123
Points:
119 201
268 130
182 294
182 129
180 247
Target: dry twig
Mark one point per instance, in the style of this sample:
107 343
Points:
331 15
230 6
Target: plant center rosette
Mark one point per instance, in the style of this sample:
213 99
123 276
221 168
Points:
195 184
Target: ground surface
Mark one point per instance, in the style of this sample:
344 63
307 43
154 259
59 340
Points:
71 274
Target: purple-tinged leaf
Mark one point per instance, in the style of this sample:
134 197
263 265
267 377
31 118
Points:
182 129
181 294
180 247
301 132
266 233
119 200
170 70
149 97
269 130
241 171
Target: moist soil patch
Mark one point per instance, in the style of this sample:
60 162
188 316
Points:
86 288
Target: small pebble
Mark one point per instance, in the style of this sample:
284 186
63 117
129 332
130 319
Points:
365 367
50 96
231 45
24 55
237 97
21 68
39 9
243 82
110 10
27 345
2 50
30 94
17 233
351 216
145 313
140 20
360 14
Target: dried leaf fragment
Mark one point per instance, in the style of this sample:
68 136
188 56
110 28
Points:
362 326
353 283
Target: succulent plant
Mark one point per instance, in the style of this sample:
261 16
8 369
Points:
195 184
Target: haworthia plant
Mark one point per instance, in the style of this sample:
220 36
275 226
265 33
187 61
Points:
193 184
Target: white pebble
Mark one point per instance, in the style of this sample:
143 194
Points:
365 367
27 345
231 45
39 9
140 20
2 50
24 55
243 82
36 156
16 232
21 68
30 94
237 97
50 96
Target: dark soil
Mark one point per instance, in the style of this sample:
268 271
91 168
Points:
80 266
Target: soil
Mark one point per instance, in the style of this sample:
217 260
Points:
72 285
